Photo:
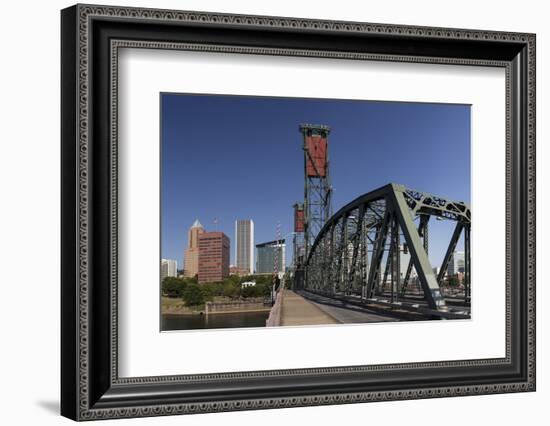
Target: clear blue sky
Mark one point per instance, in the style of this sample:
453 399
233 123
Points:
231 157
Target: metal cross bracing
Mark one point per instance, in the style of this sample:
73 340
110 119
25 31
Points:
359 250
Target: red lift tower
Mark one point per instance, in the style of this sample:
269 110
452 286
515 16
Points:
317 207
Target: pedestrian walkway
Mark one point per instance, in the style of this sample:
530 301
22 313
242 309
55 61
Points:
298 311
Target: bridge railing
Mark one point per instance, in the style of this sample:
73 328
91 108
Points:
274 319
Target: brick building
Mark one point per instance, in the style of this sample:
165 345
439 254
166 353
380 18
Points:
213 256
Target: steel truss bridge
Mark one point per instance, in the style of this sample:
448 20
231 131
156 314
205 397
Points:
358 251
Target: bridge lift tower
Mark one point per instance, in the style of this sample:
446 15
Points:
298 256
317 189
298 240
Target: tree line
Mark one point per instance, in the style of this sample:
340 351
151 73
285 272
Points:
193 293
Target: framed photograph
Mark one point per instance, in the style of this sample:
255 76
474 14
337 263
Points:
263 212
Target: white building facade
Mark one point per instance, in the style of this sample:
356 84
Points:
244 245
168 268
456 263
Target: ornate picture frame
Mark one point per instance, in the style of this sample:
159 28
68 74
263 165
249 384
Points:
91 37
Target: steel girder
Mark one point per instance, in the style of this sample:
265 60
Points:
361 245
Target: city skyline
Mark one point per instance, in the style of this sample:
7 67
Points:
256 147
191 257
457 258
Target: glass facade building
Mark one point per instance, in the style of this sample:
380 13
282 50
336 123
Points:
267 253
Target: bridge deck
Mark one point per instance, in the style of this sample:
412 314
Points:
298 311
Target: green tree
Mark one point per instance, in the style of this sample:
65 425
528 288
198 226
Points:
263 289
249 291
208 291
193 295
233 279
231 289
173 287
453 281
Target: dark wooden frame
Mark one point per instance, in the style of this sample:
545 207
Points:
90 386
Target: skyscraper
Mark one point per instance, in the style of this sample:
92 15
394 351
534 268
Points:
168 268
266 257
244 245
191 255
213 256
456 263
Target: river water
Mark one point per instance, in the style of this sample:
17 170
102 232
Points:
233 320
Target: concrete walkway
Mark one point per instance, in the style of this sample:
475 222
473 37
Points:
346 313
298 311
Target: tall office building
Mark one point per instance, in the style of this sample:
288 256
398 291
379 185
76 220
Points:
244 245
213 257
456 263
266 257
191 255
168 268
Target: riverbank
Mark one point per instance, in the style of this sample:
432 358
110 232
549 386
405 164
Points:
175 306
234 306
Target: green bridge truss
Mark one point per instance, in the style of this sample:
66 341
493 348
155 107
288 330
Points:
359 248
